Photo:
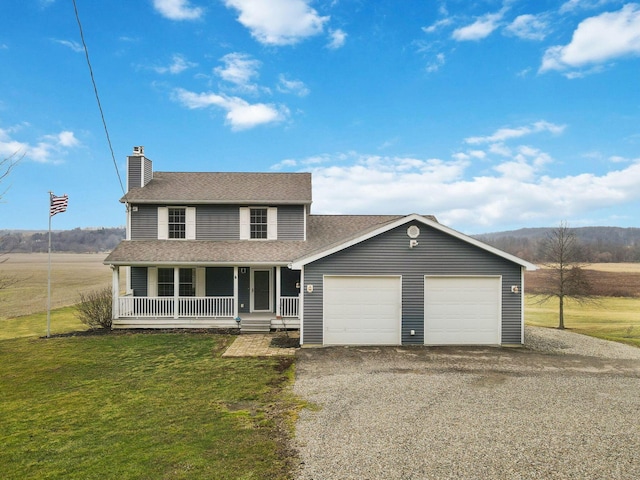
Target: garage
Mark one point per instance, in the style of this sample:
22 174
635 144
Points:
462 310
362 310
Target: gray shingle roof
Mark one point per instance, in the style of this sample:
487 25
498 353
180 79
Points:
223 187
322 231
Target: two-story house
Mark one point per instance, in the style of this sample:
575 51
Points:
221 249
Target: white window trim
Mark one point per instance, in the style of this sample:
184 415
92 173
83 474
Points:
190 223
152 281
245 223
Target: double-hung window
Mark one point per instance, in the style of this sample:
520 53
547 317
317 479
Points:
165 282
177 222
258 223
186 282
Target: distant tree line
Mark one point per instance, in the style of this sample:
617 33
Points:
594 244
78 240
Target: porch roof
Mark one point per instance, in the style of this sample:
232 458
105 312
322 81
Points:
322 231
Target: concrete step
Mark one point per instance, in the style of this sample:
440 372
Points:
262 325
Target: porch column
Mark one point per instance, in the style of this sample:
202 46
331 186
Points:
278 273
235 292
176 291
115 291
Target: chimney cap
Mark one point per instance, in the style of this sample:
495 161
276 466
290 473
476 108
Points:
138 151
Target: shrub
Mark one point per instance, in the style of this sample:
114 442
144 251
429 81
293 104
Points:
95 308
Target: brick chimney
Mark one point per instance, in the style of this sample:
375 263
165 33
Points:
139 169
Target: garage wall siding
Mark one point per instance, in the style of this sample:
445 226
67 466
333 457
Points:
436 254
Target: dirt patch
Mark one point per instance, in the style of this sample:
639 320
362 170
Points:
285 342
605 284
147 331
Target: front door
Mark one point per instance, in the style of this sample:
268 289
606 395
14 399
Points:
261 290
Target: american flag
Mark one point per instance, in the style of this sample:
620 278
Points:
58 204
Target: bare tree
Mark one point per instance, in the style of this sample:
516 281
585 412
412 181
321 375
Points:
7 164
565 276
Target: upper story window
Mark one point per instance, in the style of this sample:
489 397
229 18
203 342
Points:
177 223
258 223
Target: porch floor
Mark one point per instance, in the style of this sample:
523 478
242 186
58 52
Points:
257 345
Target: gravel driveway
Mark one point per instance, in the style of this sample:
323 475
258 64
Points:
566 406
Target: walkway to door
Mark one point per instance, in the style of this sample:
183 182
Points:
257 345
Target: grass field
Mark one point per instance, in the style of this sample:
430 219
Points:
611 318
70 274
614 318
143 406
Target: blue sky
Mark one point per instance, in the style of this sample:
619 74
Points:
490 114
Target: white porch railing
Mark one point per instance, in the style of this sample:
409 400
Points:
289 306
156 307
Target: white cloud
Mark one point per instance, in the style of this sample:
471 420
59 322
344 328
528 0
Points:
435 64
481 28
241 115
575 5
504 134
49 149
66 139
529 27
444 22
75 46
338 39
239 69
178 65
177 9
514 192
295 87
278 22
597 40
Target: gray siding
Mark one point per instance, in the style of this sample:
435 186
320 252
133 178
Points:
138 169
218 222
139 281
144 222
147 171
289 282
389 254
291 222
134 172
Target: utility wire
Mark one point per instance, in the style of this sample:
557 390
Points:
95 90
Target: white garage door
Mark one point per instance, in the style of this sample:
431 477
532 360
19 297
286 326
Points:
362 310
462 310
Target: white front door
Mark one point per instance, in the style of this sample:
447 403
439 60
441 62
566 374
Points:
261 297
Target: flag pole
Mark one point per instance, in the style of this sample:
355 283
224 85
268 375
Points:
49 275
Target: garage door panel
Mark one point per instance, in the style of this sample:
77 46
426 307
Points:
362 310
462 310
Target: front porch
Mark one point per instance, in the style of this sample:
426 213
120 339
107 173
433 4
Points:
189 297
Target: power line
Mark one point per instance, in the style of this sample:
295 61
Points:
95 90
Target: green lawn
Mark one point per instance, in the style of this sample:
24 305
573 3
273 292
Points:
143 406
611 318
63 320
